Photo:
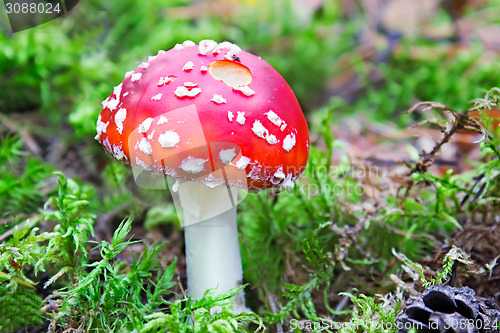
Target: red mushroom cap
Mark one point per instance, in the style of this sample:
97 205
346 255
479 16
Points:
195 109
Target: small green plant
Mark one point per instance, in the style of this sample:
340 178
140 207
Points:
67 246
213 313
110 296
116 296
370 316
20 308
22 179
454 255
29 251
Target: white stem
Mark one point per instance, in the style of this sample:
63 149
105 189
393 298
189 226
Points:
212 249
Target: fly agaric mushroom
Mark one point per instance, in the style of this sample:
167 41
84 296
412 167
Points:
214 118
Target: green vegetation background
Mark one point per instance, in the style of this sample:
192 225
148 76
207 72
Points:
305 251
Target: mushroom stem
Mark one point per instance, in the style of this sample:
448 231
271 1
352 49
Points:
213 257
